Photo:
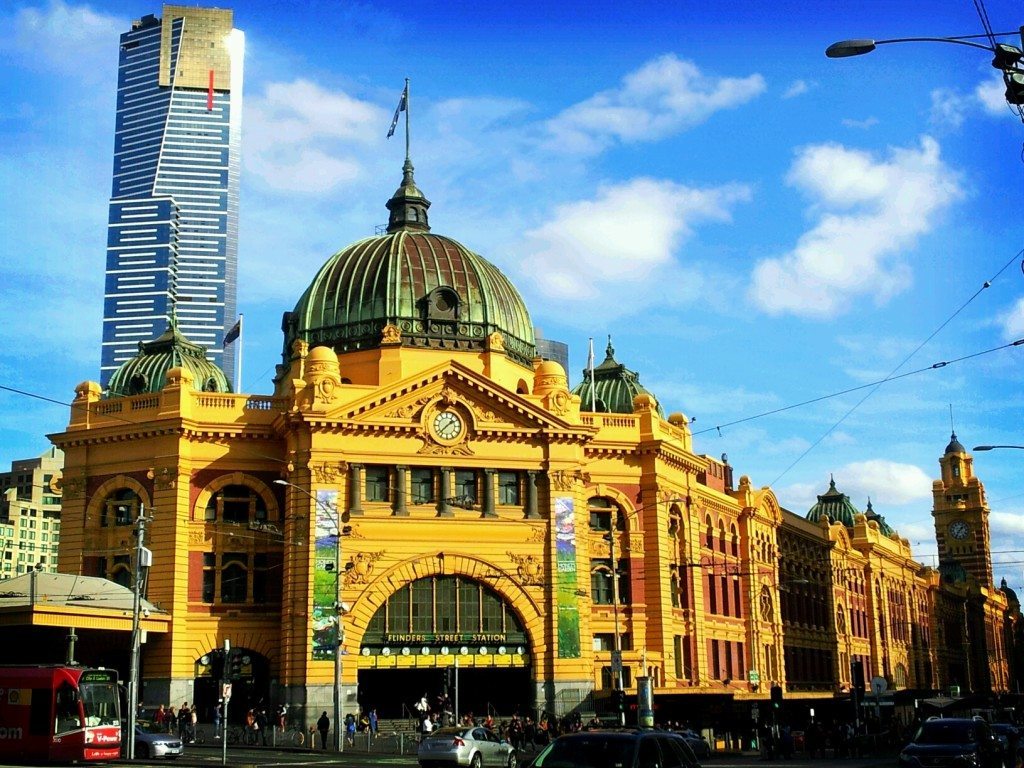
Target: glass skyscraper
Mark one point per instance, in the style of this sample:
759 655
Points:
172 242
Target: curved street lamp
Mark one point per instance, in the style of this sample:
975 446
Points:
1005 58
994 447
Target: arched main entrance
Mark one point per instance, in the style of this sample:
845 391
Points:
445 637
248 691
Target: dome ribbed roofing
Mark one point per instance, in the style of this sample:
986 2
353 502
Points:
955 446
883 527
836 505
147 371
437 292
614 386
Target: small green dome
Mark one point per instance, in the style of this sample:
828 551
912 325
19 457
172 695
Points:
883 527
614 387
836 505
147 371
437 292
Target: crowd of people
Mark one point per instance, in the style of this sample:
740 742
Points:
183 721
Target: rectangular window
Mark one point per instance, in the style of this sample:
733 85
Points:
508 488
446 606
259 577
491 612
465 486
209 576
423 605
469 607
423 486
604 641
234 578
736 603
376 484
600 520
398 611
712 594
625 591
677 648
716 661
601 581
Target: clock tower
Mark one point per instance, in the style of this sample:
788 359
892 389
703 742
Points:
961 517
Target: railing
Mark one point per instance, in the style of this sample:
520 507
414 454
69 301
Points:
609 420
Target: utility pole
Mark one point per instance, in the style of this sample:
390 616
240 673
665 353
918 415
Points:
617 656
143 559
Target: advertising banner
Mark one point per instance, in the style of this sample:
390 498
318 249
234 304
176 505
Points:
325 576
566 584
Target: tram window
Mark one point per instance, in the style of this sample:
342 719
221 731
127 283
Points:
67 709
39 712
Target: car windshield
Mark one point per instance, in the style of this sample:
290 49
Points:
588 751
945 732
147 726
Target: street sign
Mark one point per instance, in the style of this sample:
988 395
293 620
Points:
616 664
755 712
753 676
226 691
878 685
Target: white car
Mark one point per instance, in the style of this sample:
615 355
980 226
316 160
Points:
152 740
472 746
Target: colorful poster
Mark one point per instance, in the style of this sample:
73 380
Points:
325 576
566 584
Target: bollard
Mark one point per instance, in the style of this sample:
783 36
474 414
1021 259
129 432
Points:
401 743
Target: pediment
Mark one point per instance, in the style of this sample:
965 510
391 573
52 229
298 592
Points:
485 407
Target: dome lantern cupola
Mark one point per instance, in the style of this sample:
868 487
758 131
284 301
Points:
613 388
147 371
408 206
836 505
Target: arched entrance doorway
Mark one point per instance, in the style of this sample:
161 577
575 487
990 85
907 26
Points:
448 638
249 691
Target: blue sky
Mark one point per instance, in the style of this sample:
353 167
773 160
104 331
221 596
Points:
755 225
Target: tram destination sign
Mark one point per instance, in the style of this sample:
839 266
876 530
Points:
434 638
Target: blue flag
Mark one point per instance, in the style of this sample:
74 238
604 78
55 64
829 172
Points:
402 103
234 333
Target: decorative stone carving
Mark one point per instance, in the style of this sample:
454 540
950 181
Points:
529 568
72 487
559 402
164 478
409 409
197 534
482 413
536 537
390 335
567 479
496 342
430 448
360 568
326 472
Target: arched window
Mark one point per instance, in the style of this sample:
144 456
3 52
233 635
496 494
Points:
721 536
121 507
709 537
234 578
734 540
236 504
601 510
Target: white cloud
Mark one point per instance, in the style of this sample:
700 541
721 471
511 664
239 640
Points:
70 39
299 136
1007 523
991 94
604 249
869 211
886 483
1013 321
798 88
949 108
665 95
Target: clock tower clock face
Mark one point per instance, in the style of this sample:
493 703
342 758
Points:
447 425
959 530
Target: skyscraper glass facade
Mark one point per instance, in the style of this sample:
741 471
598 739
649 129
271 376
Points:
172 242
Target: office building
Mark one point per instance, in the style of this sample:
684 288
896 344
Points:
30 514
172 244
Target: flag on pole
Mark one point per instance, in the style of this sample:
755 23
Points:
234 333
590 369
402 104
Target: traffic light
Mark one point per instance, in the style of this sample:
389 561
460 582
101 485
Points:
857 676
232 665
618 700
217 664
776 697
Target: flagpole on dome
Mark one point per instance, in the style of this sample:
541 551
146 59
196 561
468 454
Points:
406 97
241 346
590 369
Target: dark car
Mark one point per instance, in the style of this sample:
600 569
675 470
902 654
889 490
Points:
697 743
953 741
1009 740
616 748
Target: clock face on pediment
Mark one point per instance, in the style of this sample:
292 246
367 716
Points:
447 425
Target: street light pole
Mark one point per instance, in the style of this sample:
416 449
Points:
339 627
143 559
615 614
994 447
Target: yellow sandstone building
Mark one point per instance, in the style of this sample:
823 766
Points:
419 470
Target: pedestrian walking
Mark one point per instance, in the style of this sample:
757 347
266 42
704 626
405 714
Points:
373 723
323 725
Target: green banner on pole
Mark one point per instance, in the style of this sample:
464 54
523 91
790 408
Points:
565 562
325 576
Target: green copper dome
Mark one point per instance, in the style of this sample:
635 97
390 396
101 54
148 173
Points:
147 371
836 505
883 527
433 289
614 387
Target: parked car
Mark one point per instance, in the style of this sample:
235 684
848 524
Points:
953 741
620 747
152 740
473 746
697 743
1010 741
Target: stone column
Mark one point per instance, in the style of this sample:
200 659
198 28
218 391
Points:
355 489
487 497
532 478
444 489
398 507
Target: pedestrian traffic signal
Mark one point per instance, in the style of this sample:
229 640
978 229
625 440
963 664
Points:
776 697
217 664
618 700
232 665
